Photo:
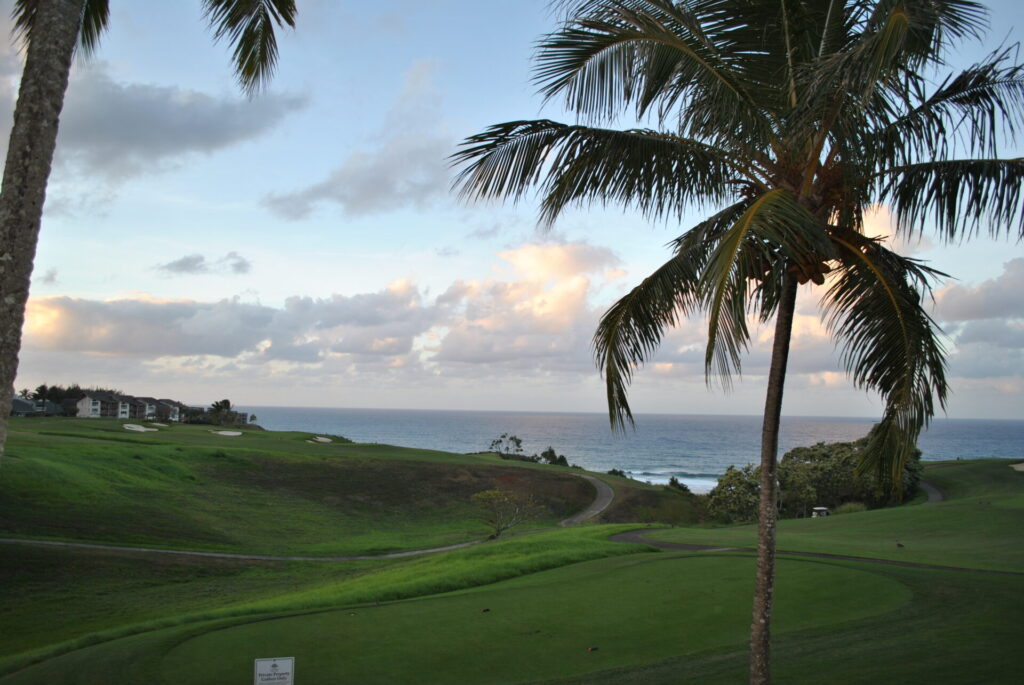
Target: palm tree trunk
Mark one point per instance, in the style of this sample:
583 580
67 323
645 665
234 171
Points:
761 625
29 157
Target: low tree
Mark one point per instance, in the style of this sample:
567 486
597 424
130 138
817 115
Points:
736 496
823 475
676 484
552 458
503 509
507 443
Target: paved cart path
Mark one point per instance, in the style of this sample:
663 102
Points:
605 496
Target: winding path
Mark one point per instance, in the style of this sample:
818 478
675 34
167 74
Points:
934 494
605 496
230 555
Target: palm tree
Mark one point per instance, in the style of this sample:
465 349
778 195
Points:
222 412
51 29
790 119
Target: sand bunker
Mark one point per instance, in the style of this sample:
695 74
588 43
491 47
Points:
137 428
161 425
1018 467
229 433
321 438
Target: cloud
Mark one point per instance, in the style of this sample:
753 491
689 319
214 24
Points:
304 330
405 167
997 297
49 277
231 263
528 326
879 222
118 130
993 332
146 327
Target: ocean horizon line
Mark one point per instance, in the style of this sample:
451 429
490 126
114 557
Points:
561 412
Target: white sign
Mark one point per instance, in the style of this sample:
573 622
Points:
277 671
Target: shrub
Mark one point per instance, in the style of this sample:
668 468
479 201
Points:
736 496
675 484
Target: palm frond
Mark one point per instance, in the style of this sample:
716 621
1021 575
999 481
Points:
773 233
962 197
95 15
970 111
631 330
651 54
888 344
249 27
656 173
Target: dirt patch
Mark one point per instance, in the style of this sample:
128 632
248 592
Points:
372 487
651 505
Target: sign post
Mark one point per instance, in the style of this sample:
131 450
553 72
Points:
279 671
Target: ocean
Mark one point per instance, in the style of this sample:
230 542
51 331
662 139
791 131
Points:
694 449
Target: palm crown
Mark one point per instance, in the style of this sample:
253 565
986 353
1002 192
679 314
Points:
790 118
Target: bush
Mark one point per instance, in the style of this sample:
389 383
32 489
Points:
552 458
735 498
850 508
617 472
675 484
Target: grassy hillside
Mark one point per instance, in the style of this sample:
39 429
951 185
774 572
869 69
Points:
261 492
980 525
563 605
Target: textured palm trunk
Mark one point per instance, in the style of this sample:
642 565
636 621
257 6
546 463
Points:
761 624
29 157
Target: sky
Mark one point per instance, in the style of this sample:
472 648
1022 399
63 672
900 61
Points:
304 248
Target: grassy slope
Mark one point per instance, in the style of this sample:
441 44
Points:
261 492
981 525
146 605
655 617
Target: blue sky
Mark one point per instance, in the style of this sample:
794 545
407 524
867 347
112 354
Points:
303 248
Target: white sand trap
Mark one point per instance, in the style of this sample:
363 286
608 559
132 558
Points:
228 433
321 438
1018 467
161 425
137 428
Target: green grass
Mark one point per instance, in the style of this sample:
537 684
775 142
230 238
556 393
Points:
635 610
74 616
53 595
268 588
981 525
261 492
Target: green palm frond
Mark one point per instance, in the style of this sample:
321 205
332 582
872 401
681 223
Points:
774 232
969 111
657 173
958 196
889 345
249 27
651 54
631 330
95 15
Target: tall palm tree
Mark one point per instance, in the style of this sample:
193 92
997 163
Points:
789 119
51 29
